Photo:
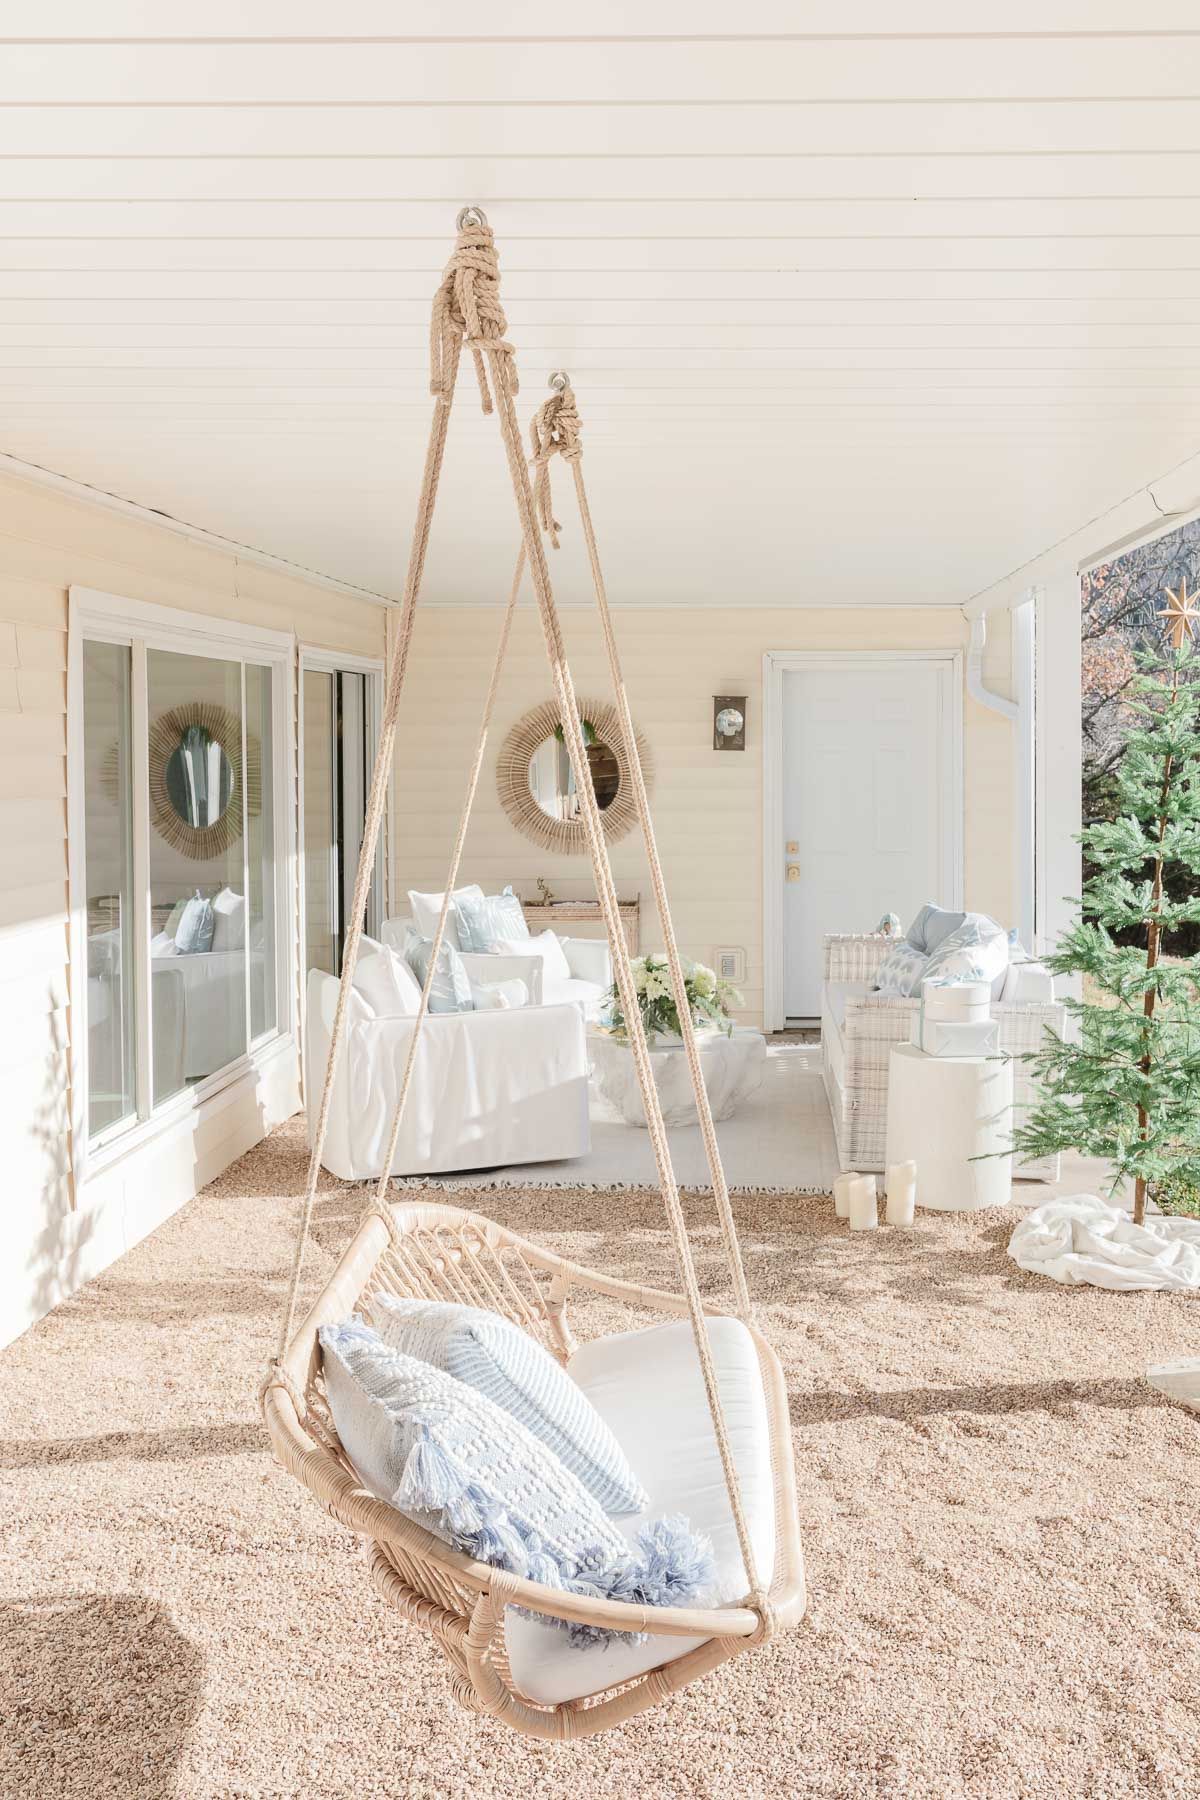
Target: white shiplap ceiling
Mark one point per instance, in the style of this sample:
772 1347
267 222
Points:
861 301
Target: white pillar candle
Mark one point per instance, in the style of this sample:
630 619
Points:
841 1192
901 1193
864 1213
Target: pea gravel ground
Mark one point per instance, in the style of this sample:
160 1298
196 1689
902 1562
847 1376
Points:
1000 1522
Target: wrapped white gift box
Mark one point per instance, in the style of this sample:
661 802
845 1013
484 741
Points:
955 1019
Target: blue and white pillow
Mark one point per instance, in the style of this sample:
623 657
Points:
481 918
197 922
976 951
515 1372
443 1454
451 989
900 971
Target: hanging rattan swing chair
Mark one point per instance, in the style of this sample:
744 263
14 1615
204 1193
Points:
412 1249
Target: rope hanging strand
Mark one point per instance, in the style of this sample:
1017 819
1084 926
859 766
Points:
454 304
606 893
557 430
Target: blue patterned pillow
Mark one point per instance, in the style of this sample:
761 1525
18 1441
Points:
483 918
977 951
513 1370
197 923
901 971
442 1453
451 990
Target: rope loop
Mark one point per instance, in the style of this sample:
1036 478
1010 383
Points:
767 1619
555 430
467 309
276 1376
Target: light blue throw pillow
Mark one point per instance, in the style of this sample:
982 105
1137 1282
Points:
483 919
451 990
444 1455
900 971
194 932
515 1372
932 926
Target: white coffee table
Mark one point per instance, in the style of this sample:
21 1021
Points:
733 1067
943 1111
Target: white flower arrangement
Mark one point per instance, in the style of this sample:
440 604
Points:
710 1000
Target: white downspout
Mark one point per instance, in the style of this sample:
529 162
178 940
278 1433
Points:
1021 712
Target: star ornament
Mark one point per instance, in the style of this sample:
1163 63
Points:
1182 614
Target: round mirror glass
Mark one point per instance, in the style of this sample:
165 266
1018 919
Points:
199 778
552 780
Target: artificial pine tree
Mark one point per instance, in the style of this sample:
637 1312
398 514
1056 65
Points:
1128 1088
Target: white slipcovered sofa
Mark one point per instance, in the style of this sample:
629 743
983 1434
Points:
488 1088
588 959
859 1030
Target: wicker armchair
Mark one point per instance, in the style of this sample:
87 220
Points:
859 1030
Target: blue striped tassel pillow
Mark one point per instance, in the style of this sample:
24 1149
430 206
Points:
512 1370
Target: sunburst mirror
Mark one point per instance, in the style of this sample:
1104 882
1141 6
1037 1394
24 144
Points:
537 785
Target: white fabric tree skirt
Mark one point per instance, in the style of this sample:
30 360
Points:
1083 1239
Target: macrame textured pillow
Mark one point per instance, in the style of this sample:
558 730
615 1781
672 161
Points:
440 1452
515 1372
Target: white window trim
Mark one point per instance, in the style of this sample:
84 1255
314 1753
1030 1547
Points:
112 618
777 663
318 660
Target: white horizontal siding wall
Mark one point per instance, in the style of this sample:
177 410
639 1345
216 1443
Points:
707 804
53 1237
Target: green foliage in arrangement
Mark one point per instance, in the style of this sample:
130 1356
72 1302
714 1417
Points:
1128 1088
709 998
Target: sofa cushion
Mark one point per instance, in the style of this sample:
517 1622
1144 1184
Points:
499 996
546 945
229 921
427 910
648 1387
519 1375
492 916
387 984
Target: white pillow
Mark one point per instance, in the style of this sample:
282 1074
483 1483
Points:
546 945
427 909
229 921
388 985
498 996
163 945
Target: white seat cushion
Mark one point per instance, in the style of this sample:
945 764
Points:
647 1387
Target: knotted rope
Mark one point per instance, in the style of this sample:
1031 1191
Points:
467 309
554 430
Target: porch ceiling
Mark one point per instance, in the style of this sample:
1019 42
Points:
854 314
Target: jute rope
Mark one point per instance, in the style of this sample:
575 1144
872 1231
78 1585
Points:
557 431
467 309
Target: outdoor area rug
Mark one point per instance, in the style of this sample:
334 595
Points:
779 1141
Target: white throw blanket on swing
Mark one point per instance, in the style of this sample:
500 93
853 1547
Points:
1081 1238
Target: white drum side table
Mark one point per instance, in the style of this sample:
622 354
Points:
733 1067
944 1110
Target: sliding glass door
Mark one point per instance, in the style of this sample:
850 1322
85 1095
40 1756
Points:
177 857
339 709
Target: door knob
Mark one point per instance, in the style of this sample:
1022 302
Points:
793 871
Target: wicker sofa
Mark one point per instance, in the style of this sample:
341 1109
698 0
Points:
859 1029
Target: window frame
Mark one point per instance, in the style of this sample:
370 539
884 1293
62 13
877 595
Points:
142 626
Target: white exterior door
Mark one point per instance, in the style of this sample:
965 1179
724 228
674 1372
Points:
866 806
